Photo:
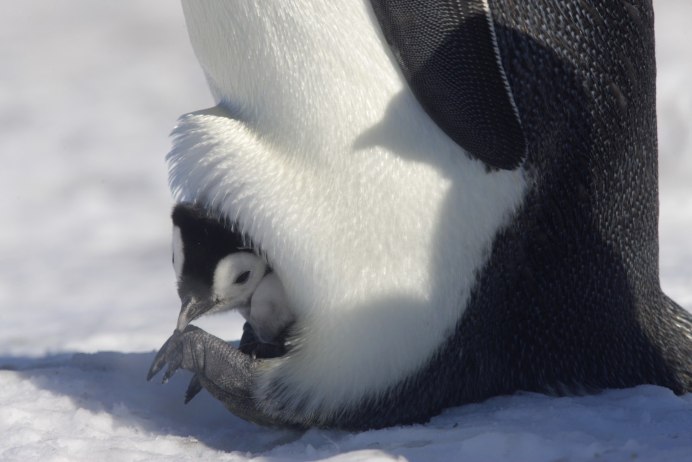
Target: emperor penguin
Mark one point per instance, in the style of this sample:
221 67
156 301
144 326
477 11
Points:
459 199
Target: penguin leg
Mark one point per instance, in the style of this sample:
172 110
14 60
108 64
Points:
224 371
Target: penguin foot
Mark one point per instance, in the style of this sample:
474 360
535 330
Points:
223 370
249 345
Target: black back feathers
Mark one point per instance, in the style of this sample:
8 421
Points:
447 52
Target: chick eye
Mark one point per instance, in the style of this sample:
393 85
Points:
243 278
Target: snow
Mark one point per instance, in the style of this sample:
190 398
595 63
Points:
88 91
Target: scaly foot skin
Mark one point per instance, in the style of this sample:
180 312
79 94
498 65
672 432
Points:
250 345
224 371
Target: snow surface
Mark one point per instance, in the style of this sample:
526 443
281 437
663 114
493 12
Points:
88 91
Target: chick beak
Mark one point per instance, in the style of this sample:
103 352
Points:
192 309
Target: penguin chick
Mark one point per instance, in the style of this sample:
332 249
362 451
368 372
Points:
269 314
214 268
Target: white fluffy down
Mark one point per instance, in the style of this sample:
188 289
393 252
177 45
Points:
375 222
269 311
240 283
226 287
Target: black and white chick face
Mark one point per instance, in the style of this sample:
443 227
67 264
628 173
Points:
214 268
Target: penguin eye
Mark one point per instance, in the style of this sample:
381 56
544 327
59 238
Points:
243 278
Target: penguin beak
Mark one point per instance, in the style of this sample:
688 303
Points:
192 309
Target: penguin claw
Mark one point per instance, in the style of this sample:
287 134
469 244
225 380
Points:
169 372
170 354
161 358
193 388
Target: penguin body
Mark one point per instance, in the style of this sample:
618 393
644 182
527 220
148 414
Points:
366 209
458 198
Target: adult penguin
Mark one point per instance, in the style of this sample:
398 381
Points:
460 198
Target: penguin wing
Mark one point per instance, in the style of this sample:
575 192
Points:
447 52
